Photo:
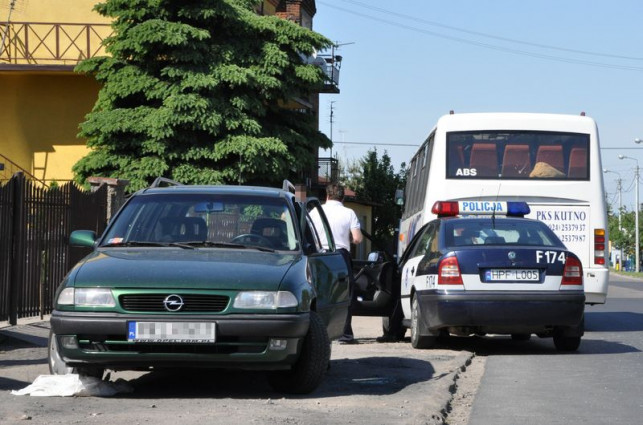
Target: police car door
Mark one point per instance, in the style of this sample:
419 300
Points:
417 273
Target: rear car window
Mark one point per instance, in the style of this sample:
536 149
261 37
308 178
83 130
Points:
499 231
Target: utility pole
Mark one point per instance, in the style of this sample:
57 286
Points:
331 127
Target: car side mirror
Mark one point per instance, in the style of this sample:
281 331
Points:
375 257
83 238
399 197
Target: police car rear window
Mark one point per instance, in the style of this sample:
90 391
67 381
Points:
473 232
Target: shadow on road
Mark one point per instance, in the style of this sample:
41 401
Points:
613 321
498 345
362 376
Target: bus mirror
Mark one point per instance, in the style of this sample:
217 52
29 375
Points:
399 197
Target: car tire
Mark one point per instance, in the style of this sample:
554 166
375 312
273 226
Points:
521 337
417 339
308 371
392 325
566 343
57 366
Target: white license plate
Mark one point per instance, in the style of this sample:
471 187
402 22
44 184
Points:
171 332
512 275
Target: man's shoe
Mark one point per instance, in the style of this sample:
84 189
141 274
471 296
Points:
347 339
386 338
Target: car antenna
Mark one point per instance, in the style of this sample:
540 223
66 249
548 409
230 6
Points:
493 215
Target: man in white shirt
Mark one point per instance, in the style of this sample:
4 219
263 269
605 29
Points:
346 229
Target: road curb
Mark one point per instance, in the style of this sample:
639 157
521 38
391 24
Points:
438 408
36 333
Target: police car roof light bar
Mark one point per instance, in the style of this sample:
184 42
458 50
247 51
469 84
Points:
453 208
445 209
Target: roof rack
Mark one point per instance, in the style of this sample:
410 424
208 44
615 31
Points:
165 182
288 187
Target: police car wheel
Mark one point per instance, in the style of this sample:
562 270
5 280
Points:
566 343
417 339
392 326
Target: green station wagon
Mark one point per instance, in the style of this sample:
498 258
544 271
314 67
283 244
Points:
204 276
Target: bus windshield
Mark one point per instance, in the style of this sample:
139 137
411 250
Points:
517 155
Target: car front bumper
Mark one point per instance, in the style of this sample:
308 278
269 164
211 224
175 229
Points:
242 341
501 312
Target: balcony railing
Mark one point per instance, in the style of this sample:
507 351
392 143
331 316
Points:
8 168
39 43
326 171
330 65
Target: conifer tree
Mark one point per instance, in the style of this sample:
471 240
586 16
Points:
193 90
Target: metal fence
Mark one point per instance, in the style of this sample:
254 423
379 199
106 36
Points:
35 223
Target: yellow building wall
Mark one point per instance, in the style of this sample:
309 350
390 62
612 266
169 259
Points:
365 215
40 111
39 118
67 11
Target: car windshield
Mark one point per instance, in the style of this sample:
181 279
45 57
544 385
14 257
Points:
204 220
499 231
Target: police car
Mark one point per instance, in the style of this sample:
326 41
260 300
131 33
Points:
482 268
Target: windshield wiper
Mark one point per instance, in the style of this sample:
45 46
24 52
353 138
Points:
147 243
229 245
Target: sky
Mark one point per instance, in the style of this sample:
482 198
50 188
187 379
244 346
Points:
408 62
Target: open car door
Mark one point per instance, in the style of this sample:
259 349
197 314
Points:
377 290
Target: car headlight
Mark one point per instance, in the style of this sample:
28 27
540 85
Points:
87 297
265 299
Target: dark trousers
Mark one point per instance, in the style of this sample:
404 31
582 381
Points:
348 329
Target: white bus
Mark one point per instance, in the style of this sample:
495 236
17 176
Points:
550 161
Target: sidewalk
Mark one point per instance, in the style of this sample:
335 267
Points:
32 330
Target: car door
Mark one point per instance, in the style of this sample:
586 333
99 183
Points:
418 264
377 283
328 271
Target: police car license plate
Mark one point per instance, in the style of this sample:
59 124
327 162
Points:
171 332
512 275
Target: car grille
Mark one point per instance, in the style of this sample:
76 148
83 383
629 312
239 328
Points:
224 345
193 303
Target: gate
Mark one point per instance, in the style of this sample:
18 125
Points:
35 255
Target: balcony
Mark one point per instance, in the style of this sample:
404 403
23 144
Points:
327 171
56 46
330 65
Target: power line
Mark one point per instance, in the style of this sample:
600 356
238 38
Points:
376 144
495 37
487 45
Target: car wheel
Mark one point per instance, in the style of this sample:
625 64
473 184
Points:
57 366
308 371
566 343
392 325
418 340
521 337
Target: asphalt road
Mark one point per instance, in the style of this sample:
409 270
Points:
600 384
368 383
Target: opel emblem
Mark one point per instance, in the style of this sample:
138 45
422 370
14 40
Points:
511 255
173 302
